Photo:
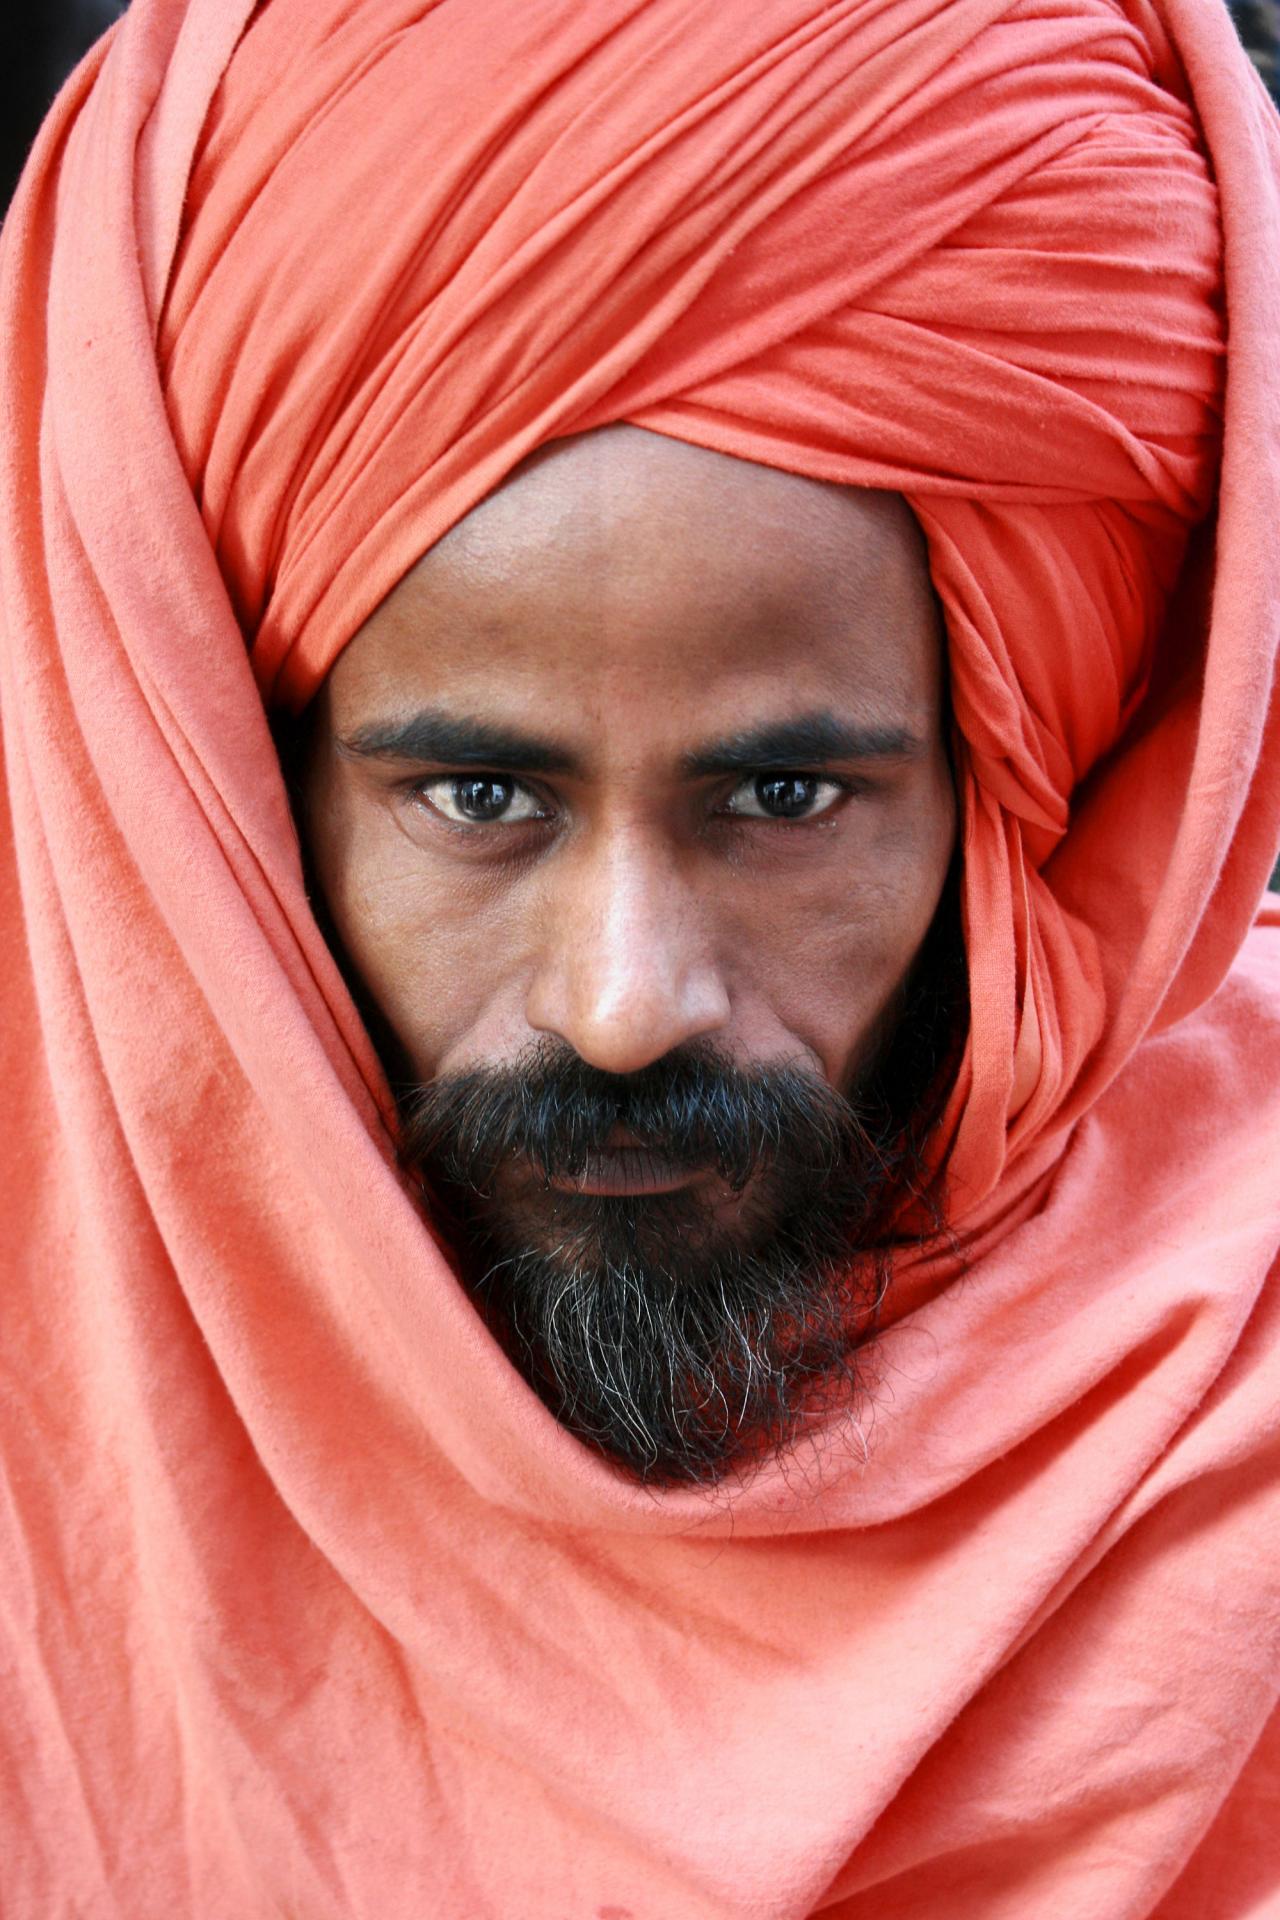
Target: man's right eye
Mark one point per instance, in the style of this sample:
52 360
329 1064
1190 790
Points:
786 796
480 799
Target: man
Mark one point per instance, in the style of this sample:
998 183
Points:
632 810
642 1131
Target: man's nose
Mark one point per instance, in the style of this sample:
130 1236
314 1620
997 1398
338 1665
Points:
626 971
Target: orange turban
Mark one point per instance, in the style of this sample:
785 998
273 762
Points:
314 1609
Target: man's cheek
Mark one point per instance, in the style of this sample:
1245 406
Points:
832 986
442 976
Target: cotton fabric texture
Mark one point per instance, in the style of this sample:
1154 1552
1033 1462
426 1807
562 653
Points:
308 1608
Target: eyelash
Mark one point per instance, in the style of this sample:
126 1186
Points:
419 790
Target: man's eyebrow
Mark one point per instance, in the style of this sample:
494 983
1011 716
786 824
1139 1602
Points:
455 740
809 740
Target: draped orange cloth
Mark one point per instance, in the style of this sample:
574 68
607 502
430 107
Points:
307 1605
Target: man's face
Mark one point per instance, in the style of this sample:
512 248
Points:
631 811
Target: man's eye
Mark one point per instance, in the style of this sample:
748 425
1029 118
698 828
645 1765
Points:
480 799
784 796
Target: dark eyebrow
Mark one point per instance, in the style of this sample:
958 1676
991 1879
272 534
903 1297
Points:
810 740
456 741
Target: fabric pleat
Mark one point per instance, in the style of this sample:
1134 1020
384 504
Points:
307 1605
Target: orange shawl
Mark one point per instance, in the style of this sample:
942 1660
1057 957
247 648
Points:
307 1607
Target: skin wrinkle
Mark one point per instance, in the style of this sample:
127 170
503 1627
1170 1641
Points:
646 942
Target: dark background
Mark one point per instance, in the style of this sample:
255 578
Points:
40 42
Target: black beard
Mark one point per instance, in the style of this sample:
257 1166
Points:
678 1345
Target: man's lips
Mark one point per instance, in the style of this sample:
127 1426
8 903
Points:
625 1165
627 1170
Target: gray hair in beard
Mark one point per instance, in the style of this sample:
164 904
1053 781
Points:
678 1348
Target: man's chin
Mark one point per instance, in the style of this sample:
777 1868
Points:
678 1348
681 1327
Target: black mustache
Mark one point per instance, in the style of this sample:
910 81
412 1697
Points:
695 1107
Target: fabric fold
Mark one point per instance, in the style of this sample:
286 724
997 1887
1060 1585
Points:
309 1606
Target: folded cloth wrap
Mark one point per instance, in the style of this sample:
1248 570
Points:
312 1608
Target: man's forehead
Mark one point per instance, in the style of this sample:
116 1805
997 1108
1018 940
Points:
551 596
570 495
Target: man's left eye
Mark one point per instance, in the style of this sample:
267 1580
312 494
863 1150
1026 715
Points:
480 799
784 796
